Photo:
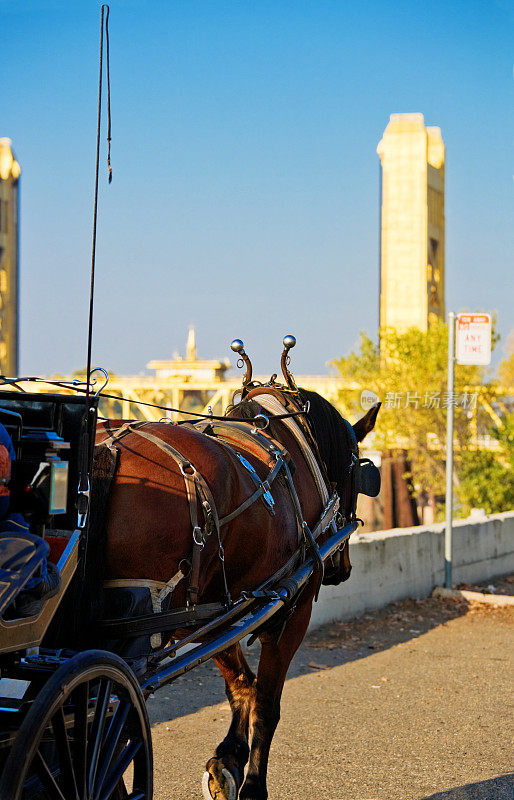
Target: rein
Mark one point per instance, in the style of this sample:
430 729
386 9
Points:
64 385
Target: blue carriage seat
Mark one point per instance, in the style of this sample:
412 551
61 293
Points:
25 575
21 554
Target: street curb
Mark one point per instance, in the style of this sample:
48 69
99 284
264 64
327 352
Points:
475 597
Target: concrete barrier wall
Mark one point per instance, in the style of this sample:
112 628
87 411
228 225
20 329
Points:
409 562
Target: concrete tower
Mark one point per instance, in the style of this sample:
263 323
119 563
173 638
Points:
412 224
9 259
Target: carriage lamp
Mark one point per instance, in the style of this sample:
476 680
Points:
58 485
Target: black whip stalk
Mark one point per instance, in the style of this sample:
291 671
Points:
104 15
88 432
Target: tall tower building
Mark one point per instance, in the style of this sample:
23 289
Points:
412 223
9 258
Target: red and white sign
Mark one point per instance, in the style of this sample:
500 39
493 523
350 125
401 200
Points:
473 339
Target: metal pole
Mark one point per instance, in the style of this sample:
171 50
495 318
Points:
449 453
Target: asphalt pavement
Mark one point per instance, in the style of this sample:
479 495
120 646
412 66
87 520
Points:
413 702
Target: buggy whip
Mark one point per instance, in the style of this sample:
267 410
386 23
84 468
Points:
84 487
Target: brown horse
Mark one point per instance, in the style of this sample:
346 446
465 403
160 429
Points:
149 535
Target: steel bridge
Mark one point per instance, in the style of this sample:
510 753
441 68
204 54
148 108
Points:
193 394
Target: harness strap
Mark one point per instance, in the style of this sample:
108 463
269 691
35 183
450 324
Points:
273 405
241 434
158 623
327 516
197 489
304 531
211 522
116 435
244 435
159 591
259 492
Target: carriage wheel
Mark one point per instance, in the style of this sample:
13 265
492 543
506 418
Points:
85 737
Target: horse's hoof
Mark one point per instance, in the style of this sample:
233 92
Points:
219 784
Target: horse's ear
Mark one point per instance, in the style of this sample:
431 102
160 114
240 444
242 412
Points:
367 423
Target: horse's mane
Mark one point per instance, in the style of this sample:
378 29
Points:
333 434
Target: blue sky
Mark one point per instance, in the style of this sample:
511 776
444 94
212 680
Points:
245 189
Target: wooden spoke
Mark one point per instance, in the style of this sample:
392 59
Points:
97 730
47 779
84 729
62 743
118 770
111 743
81 701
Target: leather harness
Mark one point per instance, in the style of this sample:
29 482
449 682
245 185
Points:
231 433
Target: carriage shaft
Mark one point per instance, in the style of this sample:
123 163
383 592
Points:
283 594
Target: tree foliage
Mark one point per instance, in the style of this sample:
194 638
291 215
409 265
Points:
485 476
506 368
408 372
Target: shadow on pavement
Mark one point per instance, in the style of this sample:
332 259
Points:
378 630
500 788
330 646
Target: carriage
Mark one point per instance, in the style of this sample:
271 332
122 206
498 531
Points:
73 721
54 702
133 552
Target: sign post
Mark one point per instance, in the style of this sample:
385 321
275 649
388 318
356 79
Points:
449 453
473 347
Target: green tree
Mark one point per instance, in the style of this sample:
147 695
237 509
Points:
506 368
485 476
408 372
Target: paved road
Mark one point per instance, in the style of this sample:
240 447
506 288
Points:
411 703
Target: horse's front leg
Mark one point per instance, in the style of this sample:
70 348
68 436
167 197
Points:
276 655
225 770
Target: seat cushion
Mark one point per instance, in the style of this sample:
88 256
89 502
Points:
20 555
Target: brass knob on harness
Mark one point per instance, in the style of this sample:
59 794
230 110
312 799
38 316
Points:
289 342
238 347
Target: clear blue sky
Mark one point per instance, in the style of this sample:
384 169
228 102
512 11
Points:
245 190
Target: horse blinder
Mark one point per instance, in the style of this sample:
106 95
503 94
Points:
366 477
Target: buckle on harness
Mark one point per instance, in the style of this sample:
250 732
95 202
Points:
187 468
267 496
262 426
198 536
